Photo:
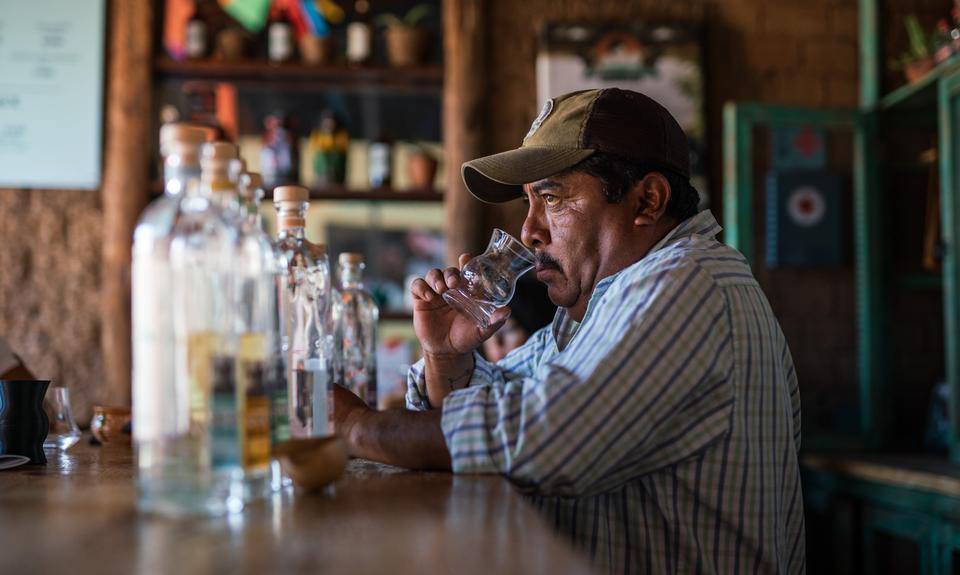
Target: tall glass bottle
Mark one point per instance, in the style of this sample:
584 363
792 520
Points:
305 303
358 330
160 407
273 375
206 465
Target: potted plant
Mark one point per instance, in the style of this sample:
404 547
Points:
917 60
407 40
421 168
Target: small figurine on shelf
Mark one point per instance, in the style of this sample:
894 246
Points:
279 157
197 34
328 150
380 163
359 34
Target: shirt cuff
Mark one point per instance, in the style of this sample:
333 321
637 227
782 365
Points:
465 429
417 399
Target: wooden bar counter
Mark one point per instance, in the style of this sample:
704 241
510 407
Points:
77 514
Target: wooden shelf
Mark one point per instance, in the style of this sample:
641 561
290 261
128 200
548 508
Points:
340 193
919 95
299 76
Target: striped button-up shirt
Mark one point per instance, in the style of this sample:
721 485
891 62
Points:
660 434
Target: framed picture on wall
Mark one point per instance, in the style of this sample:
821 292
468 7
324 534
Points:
660 59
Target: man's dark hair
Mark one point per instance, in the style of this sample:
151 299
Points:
618 175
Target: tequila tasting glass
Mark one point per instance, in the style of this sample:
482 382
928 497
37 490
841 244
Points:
487 281
64 431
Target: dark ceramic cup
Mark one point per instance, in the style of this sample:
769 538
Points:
23 422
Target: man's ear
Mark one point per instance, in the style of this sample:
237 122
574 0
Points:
651 196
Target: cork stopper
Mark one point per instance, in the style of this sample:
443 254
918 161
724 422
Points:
350 258
219 152
184 132
290 194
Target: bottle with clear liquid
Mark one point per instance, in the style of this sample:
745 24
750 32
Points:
271 392
160 402
305 301
358 330
308 341
198 470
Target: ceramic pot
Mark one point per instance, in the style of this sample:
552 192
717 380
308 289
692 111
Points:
421 170
406 46
315 50
916 70
109 424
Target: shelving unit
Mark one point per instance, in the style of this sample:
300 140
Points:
373 100
911 515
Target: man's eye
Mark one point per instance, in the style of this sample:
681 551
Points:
550 199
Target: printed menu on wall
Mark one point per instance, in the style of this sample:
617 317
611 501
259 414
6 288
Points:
51 93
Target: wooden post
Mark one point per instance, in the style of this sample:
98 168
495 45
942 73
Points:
464 119
125 180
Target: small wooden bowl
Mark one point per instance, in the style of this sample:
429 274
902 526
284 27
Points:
314 462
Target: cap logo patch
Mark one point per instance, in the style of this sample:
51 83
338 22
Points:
544 112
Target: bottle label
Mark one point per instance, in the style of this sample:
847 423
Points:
322 404
379 166
224 444
196 45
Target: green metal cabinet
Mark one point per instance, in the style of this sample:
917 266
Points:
937 96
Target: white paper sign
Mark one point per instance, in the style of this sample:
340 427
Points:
51 93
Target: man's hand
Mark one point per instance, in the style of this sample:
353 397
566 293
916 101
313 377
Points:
447 336
398 437
348 411
441 329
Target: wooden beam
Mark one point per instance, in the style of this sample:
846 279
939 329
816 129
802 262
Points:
125 183
464 119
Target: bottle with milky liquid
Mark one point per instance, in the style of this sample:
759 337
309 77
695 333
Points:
308 341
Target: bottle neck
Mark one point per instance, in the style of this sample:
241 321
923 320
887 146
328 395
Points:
297 232
351 276
178 173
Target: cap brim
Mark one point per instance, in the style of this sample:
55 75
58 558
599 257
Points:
500 177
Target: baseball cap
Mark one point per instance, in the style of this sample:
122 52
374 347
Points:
572 127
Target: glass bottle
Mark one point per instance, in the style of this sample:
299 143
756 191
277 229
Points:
279 36
209 273
280 155
359 34
272 376
380 163
305 303
358 326
160 407
197 35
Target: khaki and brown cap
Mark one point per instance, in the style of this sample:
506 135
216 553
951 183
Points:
572 127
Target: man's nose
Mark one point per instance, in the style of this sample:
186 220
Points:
534 233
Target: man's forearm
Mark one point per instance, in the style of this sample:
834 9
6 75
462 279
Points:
446 373
411 439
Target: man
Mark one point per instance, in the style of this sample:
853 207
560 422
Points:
11 367
656 423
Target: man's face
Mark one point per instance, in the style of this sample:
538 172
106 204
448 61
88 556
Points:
576 236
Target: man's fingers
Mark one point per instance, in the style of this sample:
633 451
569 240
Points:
464 258
452 277
422 291
496 322
434 279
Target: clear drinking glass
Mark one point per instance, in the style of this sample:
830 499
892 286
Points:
488 280
64 431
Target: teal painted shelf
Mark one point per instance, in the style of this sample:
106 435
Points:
920 96
921 281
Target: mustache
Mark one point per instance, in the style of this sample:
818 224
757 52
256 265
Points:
544 261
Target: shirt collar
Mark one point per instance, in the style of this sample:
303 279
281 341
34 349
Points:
701 224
